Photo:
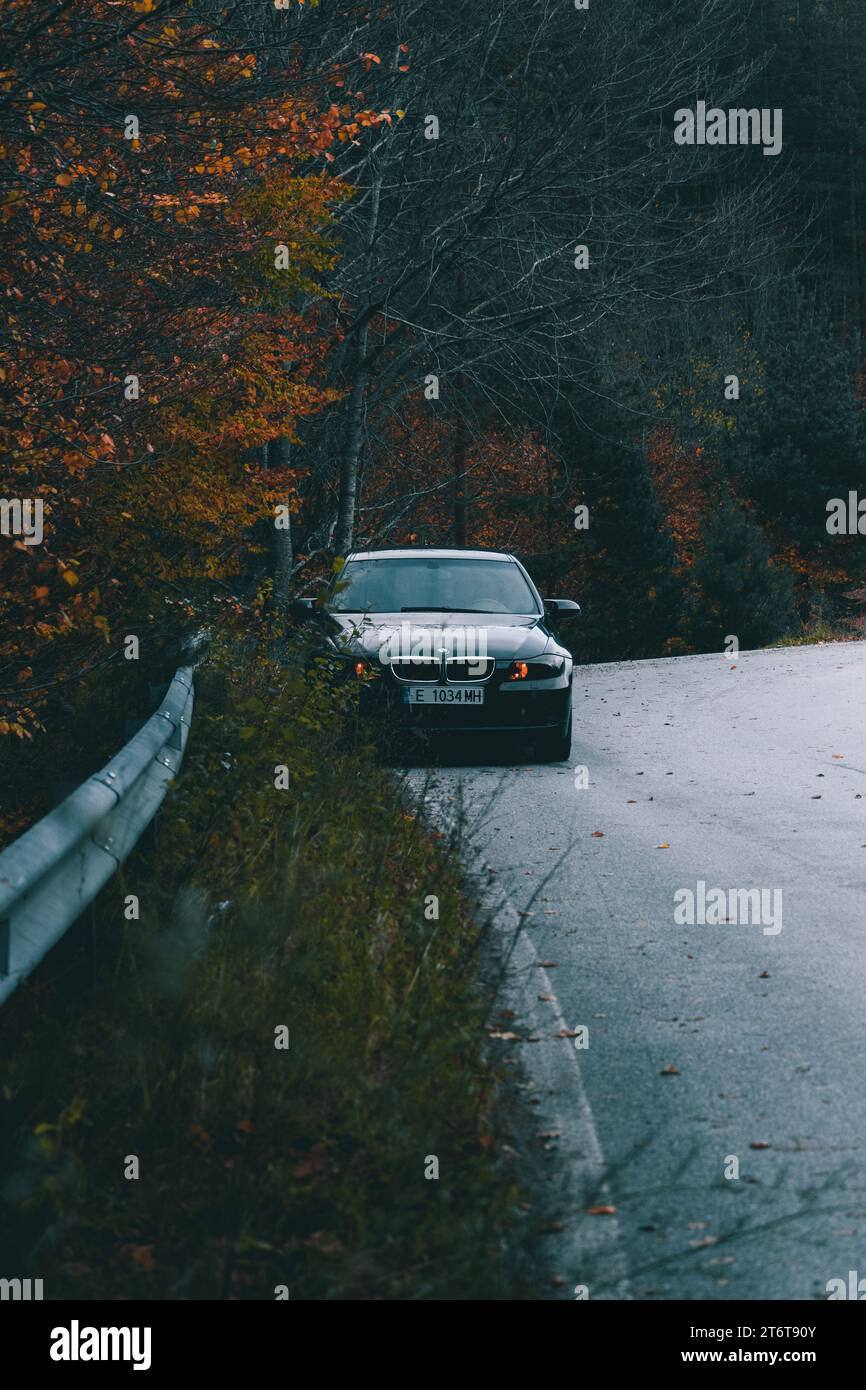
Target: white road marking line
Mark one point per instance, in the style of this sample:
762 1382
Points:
592 1245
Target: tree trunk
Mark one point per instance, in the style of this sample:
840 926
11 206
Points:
461 438
282 553
352 451
355 424
458 461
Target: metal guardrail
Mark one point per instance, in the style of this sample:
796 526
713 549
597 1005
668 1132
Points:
56 868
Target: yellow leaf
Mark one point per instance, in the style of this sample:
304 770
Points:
70 576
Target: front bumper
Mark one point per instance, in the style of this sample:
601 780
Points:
509 706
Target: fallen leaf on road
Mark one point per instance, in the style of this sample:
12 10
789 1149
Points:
506 1037
551 964
759 1144
598 834
547 998
669 1070
663 845
601 1211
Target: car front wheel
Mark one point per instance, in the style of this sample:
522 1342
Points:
555 747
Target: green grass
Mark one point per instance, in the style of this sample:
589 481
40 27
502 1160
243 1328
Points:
819 632
262 1167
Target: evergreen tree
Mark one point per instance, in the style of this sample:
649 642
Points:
739 591
633 599
800 443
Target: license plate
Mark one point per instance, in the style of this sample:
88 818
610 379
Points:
443 695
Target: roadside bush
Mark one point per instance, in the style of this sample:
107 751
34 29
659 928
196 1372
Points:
272 1057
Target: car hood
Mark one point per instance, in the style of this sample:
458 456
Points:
503 636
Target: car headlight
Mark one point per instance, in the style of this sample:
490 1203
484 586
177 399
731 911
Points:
544 668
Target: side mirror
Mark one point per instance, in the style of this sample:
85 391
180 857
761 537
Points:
302 608
562 605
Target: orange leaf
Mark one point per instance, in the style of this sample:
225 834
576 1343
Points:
142 1255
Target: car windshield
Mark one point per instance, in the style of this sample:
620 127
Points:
425 583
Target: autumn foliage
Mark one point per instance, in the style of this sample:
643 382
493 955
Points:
152 164
225 227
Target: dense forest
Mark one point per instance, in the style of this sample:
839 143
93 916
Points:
583 280
282 280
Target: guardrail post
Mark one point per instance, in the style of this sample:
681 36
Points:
5 925
91 945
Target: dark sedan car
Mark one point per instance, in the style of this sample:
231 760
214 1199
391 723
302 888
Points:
454 641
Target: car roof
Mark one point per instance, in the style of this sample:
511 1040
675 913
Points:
406 552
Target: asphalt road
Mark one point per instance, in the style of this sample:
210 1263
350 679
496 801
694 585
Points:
746 773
